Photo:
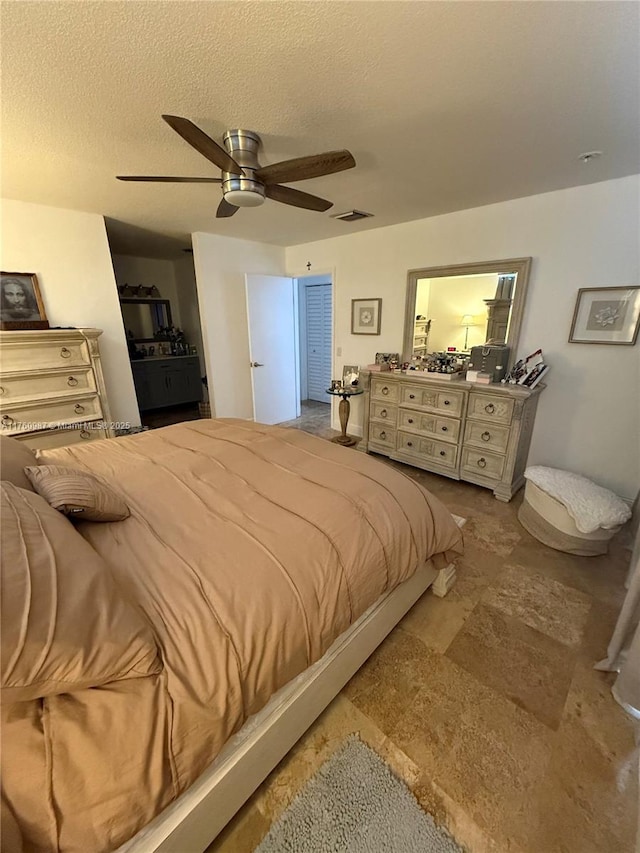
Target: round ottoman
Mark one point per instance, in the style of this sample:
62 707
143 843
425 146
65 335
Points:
570 513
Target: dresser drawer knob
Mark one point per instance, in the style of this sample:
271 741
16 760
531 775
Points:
409 444
442 453
85 434
72 381
7 419
412 396
65 353
2 391
486 436
444 429
385 391
482 462
409 420
383 435
78 409
447 402
489 408
383 413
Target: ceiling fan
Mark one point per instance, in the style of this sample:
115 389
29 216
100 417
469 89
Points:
244 182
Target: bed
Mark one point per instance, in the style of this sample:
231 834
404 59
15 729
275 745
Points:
258 569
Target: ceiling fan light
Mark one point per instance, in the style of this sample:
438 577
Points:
244 198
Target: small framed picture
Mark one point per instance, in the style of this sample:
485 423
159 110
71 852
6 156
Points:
606 315
366 316
21 306
350 375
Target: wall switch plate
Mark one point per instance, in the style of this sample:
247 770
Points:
339 351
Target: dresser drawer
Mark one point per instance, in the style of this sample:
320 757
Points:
382 390
28 417
490 407
29 356
434 399
487 435
19 389
487 464
380 434
435 451
383 412
52 438
446 429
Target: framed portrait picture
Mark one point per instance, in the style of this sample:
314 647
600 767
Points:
366 316
21 305
350 375
606 315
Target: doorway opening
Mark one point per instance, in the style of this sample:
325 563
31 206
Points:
161 318
315 328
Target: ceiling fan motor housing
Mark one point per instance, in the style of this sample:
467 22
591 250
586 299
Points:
243 190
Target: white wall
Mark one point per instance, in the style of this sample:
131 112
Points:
69 253
188 305
221 264
589 415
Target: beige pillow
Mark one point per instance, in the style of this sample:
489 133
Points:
77 493
14 457
64 623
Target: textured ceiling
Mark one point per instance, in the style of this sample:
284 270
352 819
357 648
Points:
445 105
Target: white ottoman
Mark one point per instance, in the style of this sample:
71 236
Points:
570 513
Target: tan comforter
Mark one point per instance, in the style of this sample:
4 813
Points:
249 549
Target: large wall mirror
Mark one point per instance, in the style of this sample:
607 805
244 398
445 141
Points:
143 318
465 305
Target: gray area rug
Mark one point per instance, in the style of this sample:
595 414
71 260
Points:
354 804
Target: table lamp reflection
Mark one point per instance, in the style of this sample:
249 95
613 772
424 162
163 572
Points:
467 321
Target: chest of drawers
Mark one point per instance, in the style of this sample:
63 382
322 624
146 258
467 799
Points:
52 389
478 433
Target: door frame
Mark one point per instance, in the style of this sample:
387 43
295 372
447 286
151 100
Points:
302 282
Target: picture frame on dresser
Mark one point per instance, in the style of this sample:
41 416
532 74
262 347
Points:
21 304
606 315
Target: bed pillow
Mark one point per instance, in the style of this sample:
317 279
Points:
65 624
14 458
77 493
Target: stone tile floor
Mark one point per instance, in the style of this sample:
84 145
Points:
486 702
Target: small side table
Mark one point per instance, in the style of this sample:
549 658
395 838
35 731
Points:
343 410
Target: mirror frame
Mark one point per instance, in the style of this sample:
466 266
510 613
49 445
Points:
133 301
521 266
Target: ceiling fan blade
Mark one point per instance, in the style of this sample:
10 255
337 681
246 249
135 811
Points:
303 168
225 209
203 144
165 179
287 195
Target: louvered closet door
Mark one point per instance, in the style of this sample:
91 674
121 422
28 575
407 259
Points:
318 341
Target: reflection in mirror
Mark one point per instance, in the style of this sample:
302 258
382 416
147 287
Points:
458 307
143 318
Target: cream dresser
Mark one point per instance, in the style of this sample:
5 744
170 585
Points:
479 433
52 389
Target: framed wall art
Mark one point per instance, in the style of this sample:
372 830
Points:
366 316
606 315
21 305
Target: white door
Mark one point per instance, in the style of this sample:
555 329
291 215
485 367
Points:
271 310
318 341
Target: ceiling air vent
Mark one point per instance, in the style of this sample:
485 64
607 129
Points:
351 215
